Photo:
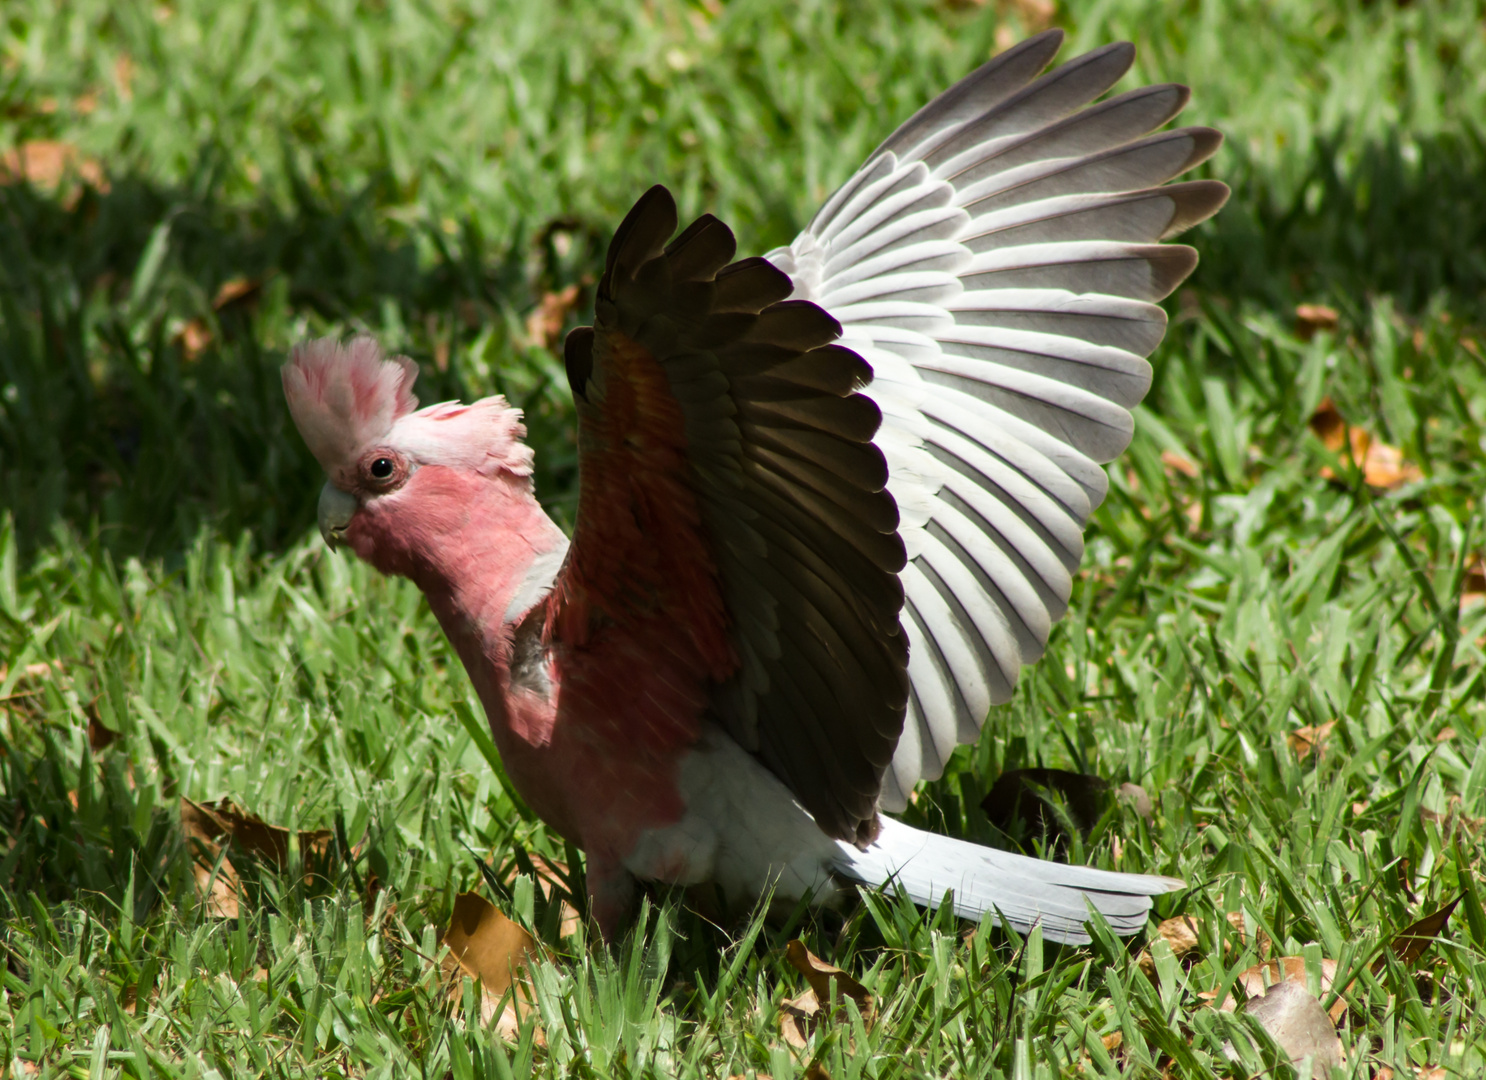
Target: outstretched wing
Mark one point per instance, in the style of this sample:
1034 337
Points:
997 264
733 524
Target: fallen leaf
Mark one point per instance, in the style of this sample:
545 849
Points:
216 878
1138 800
1453 820
1295 1020
551 877
1409 943
1304 740
32 672
1312 317
1383 466
1473 588
124 76
827 981
544 325
1327 424
1179 463
258 838
491 949
100 737
193 338
45 163
797 1019
234 289
799 1016
1036 15
1257 980
1180 933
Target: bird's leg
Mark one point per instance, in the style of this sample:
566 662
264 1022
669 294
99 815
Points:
611 893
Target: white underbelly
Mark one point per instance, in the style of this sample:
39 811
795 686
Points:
743 830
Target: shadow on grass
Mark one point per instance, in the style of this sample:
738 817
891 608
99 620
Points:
1403 219
140 399
112 420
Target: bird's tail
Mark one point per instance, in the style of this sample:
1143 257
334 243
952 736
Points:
1024 891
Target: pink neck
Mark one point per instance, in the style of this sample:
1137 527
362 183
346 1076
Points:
480 548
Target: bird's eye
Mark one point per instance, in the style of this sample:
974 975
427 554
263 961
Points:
381 469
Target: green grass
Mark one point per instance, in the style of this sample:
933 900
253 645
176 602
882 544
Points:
428 171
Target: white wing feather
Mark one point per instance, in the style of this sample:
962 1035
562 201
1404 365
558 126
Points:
997 264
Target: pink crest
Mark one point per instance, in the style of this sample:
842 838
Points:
345 397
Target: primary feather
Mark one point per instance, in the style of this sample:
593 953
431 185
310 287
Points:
831 500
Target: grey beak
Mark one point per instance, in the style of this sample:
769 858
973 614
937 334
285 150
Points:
336 508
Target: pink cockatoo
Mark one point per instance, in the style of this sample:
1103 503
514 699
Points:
831 501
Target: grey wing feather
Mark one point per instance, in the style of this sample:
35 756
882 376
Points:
997 262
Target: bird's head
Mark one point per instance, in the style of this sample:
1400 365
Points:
401 480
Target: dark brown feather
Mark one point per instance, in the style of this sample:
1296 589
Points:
789 489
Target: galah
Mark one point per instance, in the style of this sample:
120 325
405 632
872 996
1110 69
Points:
831 499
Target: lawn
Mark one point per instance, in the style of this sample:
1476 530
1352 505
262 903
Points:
1278 632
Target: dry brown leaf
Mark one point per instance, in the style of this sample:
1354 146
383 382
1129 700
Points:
216 878
1256 980
1310 738
549 878
32 672
799 1016
234 289
1180 933
1179 463
1236 920
193 338
1137 799
124 76
1312 317
45 163
99 736
1473 588
1453 820
488 947
1410 942
1295 1020
545 323
1383 467
797 1019
258 838
826 980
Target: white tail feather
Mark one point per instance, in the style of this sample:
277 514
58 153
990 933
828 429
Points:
1024 891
